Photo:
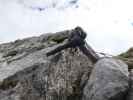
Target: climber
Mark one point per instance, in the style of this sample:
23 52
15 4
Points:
76 39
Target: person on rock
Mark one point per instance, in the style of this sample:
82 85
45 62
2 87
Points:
76 39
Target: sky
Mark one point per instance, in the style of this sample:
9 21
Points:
108 23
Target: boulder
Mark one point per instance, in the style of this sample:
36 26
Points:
27 74
130 92
127 57
108 81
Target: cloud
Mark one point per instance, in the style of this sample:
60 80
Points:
106 22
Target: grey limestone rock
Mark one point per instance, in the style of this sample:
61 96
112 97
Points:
27 74
108 81
130 92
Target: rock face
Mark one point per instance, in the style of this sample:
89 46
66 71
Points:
27 74
130 92
108 81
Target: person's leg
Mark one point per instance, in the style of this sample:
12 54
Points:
88 53
76 41
59 48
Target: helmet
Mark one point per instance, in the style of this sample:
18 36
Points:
80 32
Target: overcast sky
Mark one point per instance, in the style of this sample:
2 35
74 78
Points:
109 23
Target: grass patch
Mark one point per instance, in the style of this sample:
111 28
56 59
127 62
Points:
11 53
8 84
127 57
57 38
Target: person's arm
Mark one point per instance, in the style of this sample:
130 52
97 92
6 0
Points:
74 42
59 48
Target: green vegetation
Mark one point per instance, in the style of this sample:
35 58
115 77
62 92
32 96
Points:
127 57
128 54
11 53
7 84
58 38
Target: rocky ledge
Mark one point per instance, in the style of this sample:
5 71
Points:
26 73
